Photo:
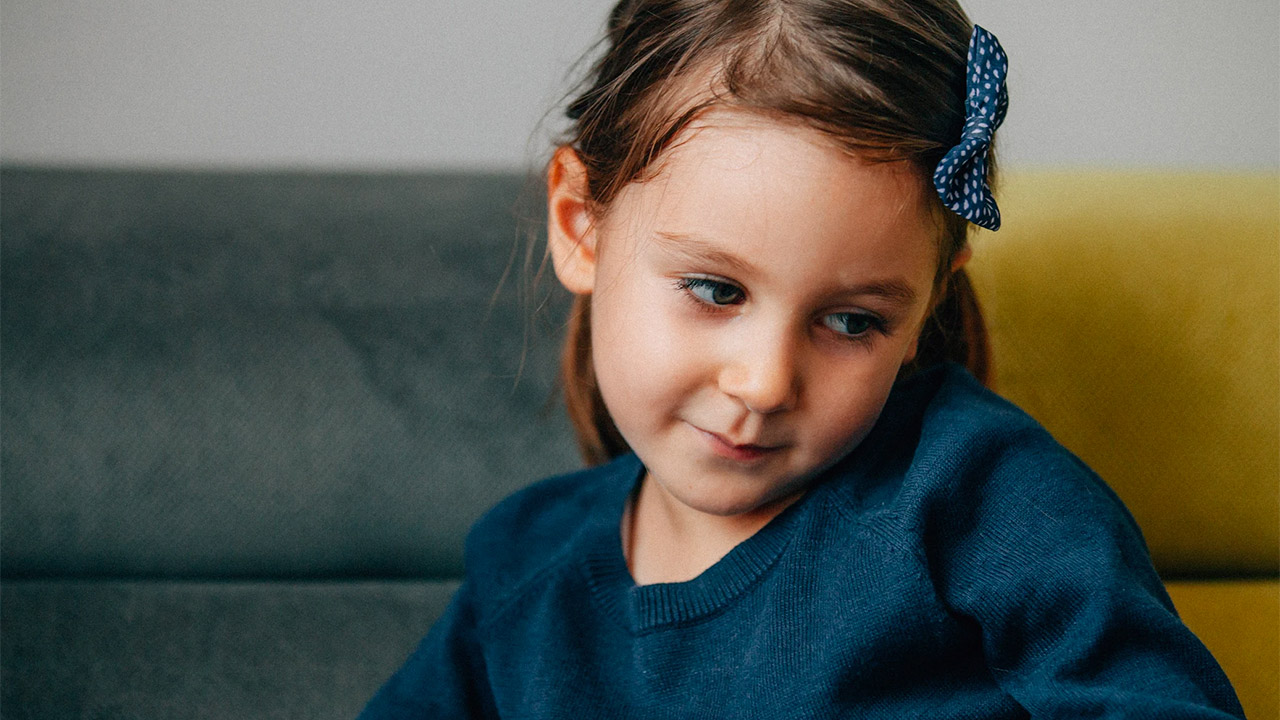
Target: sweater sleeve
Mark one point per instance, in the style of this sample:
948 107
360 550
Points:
1075 621
445 675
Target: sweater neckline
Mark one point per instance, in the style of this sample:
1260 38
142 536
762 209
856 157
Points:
641 608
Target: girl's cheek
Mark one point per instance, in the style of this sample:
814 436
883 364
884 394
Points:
642 338
671 339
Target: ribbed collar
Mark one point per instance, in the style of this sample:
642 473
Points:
649 607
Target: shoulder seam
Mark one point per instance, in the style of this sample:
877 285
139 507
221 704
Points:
505 600
502 598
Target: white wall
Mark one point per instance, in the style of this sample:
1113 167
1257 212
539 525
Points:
431 84
1140 82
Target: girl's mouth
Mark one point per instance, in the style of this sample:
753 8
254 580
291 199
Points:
739 452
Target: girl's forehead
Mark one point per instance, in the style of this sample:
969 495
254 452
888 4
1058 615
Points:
744 158
727 140
737 137
779 194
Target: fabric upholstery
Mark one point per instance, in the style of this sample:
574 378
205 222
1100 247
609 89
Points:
145 650
1135 316
264 375
1239 621
317 381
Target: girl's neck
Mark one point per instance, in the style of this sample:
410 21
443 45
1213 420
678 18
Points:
665 541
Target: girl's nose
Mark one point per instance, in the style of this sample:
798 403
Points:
763 374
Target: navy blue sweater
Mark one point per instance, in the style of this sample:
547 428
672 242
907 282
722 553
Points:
958 564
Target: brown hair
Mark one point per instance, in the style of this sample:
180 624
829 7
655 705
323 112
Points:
884 78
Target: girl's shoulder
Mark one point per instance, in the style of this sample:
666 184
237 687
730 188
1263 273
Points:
544 524
946 423
958 408
950 451
967 431
979 476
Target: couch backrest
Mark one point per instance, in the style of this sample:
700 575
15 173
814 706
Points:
240 375
310 375
1137 315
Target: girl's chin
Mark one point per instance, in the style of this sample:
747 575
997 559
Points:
727 504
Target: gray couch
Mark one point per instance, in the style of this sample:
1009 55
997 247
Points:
247 419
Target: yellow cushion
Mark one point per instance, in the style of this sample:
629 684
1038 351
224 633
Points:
1239 621
1137 316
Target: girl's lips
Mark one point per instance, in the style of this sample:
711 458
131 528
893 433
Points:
745 452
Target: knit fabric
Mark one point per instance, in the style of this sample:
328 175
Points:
958 564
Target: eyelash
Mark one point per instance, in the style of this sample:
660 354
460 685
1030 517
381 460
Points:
874 326
690 285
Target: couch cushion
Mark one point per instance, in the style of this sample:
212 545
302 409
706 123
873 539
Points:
1135 315
1239 621
156 650
265 375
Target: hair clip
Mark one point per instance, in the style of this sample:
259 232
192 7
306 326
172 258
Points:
961 175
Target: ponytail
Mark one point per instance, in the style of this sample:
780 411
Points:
598 438
955 331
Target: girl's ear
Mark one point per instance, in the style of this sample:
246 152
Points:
571 235
962 258
914 348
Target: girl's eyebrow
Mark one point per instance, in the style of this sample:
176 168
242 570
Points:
699 250
895 291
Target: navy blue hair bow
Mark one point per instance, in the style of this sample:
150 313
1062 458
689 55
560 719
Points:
961 176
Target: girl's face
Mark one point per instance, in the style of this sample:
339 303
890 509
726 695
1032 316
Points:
752 305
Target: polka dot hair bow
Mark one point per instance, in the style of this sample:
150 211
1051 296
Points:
961 176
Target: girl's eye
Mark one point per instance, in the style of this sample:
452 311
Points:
712 292
853 325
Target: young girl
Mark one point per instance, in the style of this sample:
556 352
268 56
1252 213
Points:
802 503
